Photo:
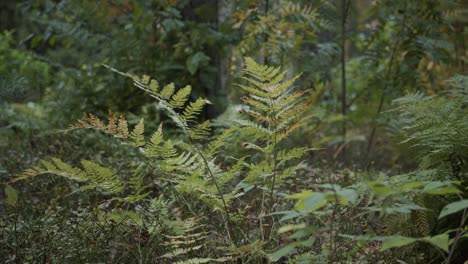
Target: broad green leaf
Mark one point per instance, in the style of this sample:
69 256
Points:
302 233
301 195
347 196
453 208
380 188
312 203
283 251
363 237
440 241
411 186
287 228
194 62
12 195
396 241
440 188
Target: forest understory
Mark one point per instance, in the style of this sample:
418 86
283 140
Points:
243 131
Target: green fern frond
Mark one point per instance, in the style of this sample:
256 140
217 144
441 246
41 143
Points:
200 131
167 91
191 112
137 135
136 182
180 98
93 174
439 126
154 86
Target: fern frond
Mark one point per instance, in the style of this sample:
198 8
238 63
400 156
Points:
167 91
191 112
91 121
200 131
137 135
93 174
440 127
180 98
136 182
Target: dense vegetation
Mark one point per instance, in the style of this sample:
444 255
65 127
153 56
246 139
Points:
246 131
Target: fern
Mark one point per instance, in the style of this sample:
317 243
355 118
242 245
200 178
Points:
439 128
191 164
188 244
94 175
278 111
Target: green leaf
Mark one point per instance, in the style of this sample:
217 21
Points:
154 86
346 196
283 252
440 241
302 195
194 62
137 135
396 241
167 91
12 195
288 228
440 188
314 202
380 188
453 208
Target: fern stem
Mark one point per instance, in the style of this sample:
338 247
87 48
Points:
228 223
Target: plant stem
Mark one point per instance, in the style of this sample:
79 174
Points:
457 236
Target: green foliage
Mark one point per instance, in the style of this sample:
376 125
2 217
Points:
167 183
438 128
93 174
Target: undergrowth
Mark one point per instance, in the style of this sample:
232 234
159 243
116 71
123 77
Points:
186 199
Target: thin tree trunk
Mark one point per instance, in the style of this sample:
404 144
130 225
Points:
345 9
225 11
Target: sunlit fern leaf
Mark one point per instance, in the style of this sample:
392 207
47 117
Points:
154 86
167 91
200 131
180 98
137 135
191 112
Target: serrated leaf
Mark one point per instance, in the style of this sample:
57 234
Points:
137 135
167 91
154 86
